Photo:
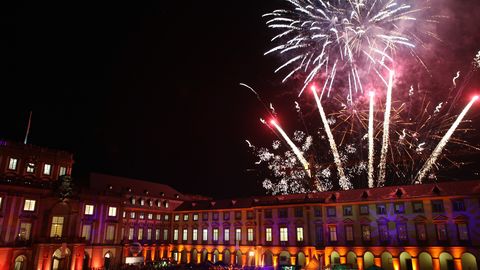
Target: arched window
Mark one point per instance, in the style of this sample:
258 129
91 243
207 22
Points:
226 256
107 260
446 261
368 260
352 258
425 261
20 263
387 261
334 258
405 261
267 258
61 259
469 262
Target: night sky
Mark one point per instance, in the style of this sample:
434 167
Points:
150 90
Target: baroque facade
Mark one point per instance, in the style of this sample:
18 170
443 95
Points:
45 223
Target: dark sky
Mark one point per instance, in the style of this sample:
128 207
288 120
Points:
150 89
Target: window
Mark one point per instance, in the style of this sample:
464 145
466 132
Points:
317 211
175 235
195 234
29 205
159 203
421 231
57 227
132 214
215 234
47 169
110 234
283 234
238 215
12 164
283 213
226 235
142 202
150 203
238 234
417 207
331 211
349 233
347 210
195 217
366 232
381 209
157 234
402 232
268 213
140 234
86 231
318 234
226 215
205 235
165 234
250 234
441 231
399 208
332 231
124 214
158 217
364 210
1 202
176 217
149 234
112 211
166 217
458 205
165 203
383 232
250 215
132 200
130 234
215 216
185 235
30 167
268 234
299 234
205 216
141 216
25 229
89 209
298 212
185 217
149 216
62 171
462 232
437 206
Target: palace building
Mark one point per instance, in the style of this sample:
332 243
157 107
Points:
49 223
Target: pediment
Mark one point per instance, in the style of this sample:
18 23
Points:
420 219
440 218
348 221
461 218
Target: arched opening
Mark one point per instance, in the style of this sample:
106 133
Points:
226 256
175 255
387 261
425 261
194 258
284 258
204 255
351 258
20 263
183 256
334 258
251 258
215 256
86 260
148 255
446 261
301 260
238 258
368 260
405 261
61 259
107 260
469 262
267 258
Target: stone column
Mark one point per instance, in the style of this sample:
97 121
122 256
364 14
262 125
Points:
378 261
458 263
436 263
360 263
343 259
415 263
396 263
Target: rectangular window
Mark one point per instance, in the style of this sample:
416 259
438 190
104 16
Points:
442 231
205 235
298 212
283 213
149 234
250 234
268 234
331 211
332 231
110 234
185 217
157 234
421 231
226 215
62 171
141 216
29 205
238 215
57 226
175 235
349 233
283 234
366 233
47 169
140 234
381 209
268 213
238 234
458 205
299 234
112 211
30 167
130 234
185 235
250 215
417 207
149 216
364 209
437 206
215 234
226 235
89 209
318 234
176 217
317 211
204 216
402 232
195 234
159 217
132 214
12 164
399 208
383 232
124 214
166 217
86 231
25 230
215 216
347 210
165 234
1 202
195 217
462 232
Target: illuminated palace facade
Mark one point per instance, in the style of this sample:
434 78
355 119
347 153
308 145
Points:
47 224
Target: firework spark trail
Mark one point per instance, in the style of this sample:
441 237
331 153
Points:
293 146
370 141
386 130
438 150
343 181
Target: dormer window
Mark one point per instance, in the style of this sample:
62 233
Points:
30 167
12 164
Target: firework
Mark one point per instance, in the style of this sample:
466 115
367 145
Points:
386 132
370 141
